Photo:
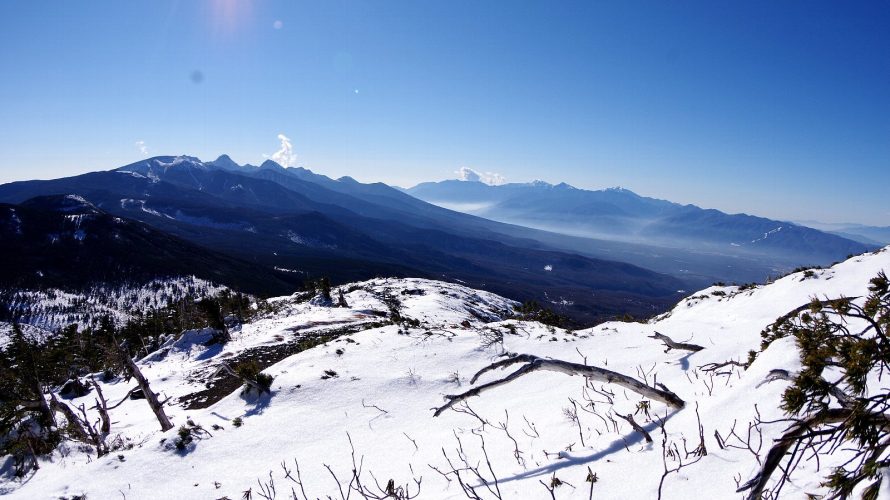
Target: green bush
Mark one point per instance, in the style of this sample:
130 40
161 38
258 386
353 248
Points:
264 380
184 438
250 370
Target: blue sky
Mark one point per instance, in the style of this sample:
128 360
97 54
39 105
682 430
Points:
780 109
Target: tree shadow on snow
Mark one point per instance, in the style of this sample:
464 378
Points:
9 482
260 402
684 361
210 352
571 461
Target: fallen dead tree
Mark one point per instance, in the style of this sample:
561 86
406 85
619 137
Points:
534 363
80 428
157 407
670 343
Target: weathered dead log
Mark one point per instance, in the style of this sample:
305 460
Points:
534 363
792 436
156 406
671 344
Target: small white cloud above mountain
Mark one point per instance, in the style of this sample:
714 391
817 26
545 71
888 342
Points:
140 145
490 178
285 155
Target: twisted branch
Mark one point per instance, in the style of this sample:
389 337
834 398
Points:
533 363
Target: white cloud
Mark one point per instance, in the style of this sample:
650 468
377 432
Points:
285 155
468 174
142 147
490 178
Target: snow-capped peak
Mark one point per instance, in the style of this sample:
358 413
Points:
540 183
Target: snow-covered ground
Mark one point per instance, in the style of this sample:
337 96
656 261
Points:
376 388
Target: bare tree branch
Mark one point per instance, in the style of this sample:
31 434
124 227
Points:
710 367
534 363
784 443
102 407
633 423
672 344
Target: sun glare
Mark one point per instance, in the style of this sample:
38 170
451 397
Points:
227 16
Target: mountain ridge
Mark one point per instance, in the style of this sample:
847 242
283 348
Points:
277 219
621 214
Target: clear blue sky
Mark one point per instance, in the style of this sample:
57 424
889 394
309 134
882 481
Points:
779 109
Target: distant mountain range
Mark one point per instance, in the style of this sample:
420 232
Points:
267 229
869 235
291 224
621 215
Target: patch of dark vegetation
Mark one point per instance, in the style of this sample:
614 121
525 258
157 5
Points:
224 384
187 435
533 311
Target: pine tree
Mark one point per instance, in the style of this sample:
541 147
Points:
830 401
26 421
325 287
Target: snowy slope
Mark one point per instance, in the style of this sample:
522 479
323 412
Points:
52 308
376 386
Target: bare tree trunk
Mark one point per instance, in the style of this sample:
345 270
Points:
80 426
156 406
533 363
671 344
74 422
102 406
46 415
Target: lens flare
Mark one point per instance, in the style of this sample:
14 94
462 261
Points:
227 16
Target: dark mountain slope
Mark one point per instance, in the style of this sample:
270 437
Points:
64 241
